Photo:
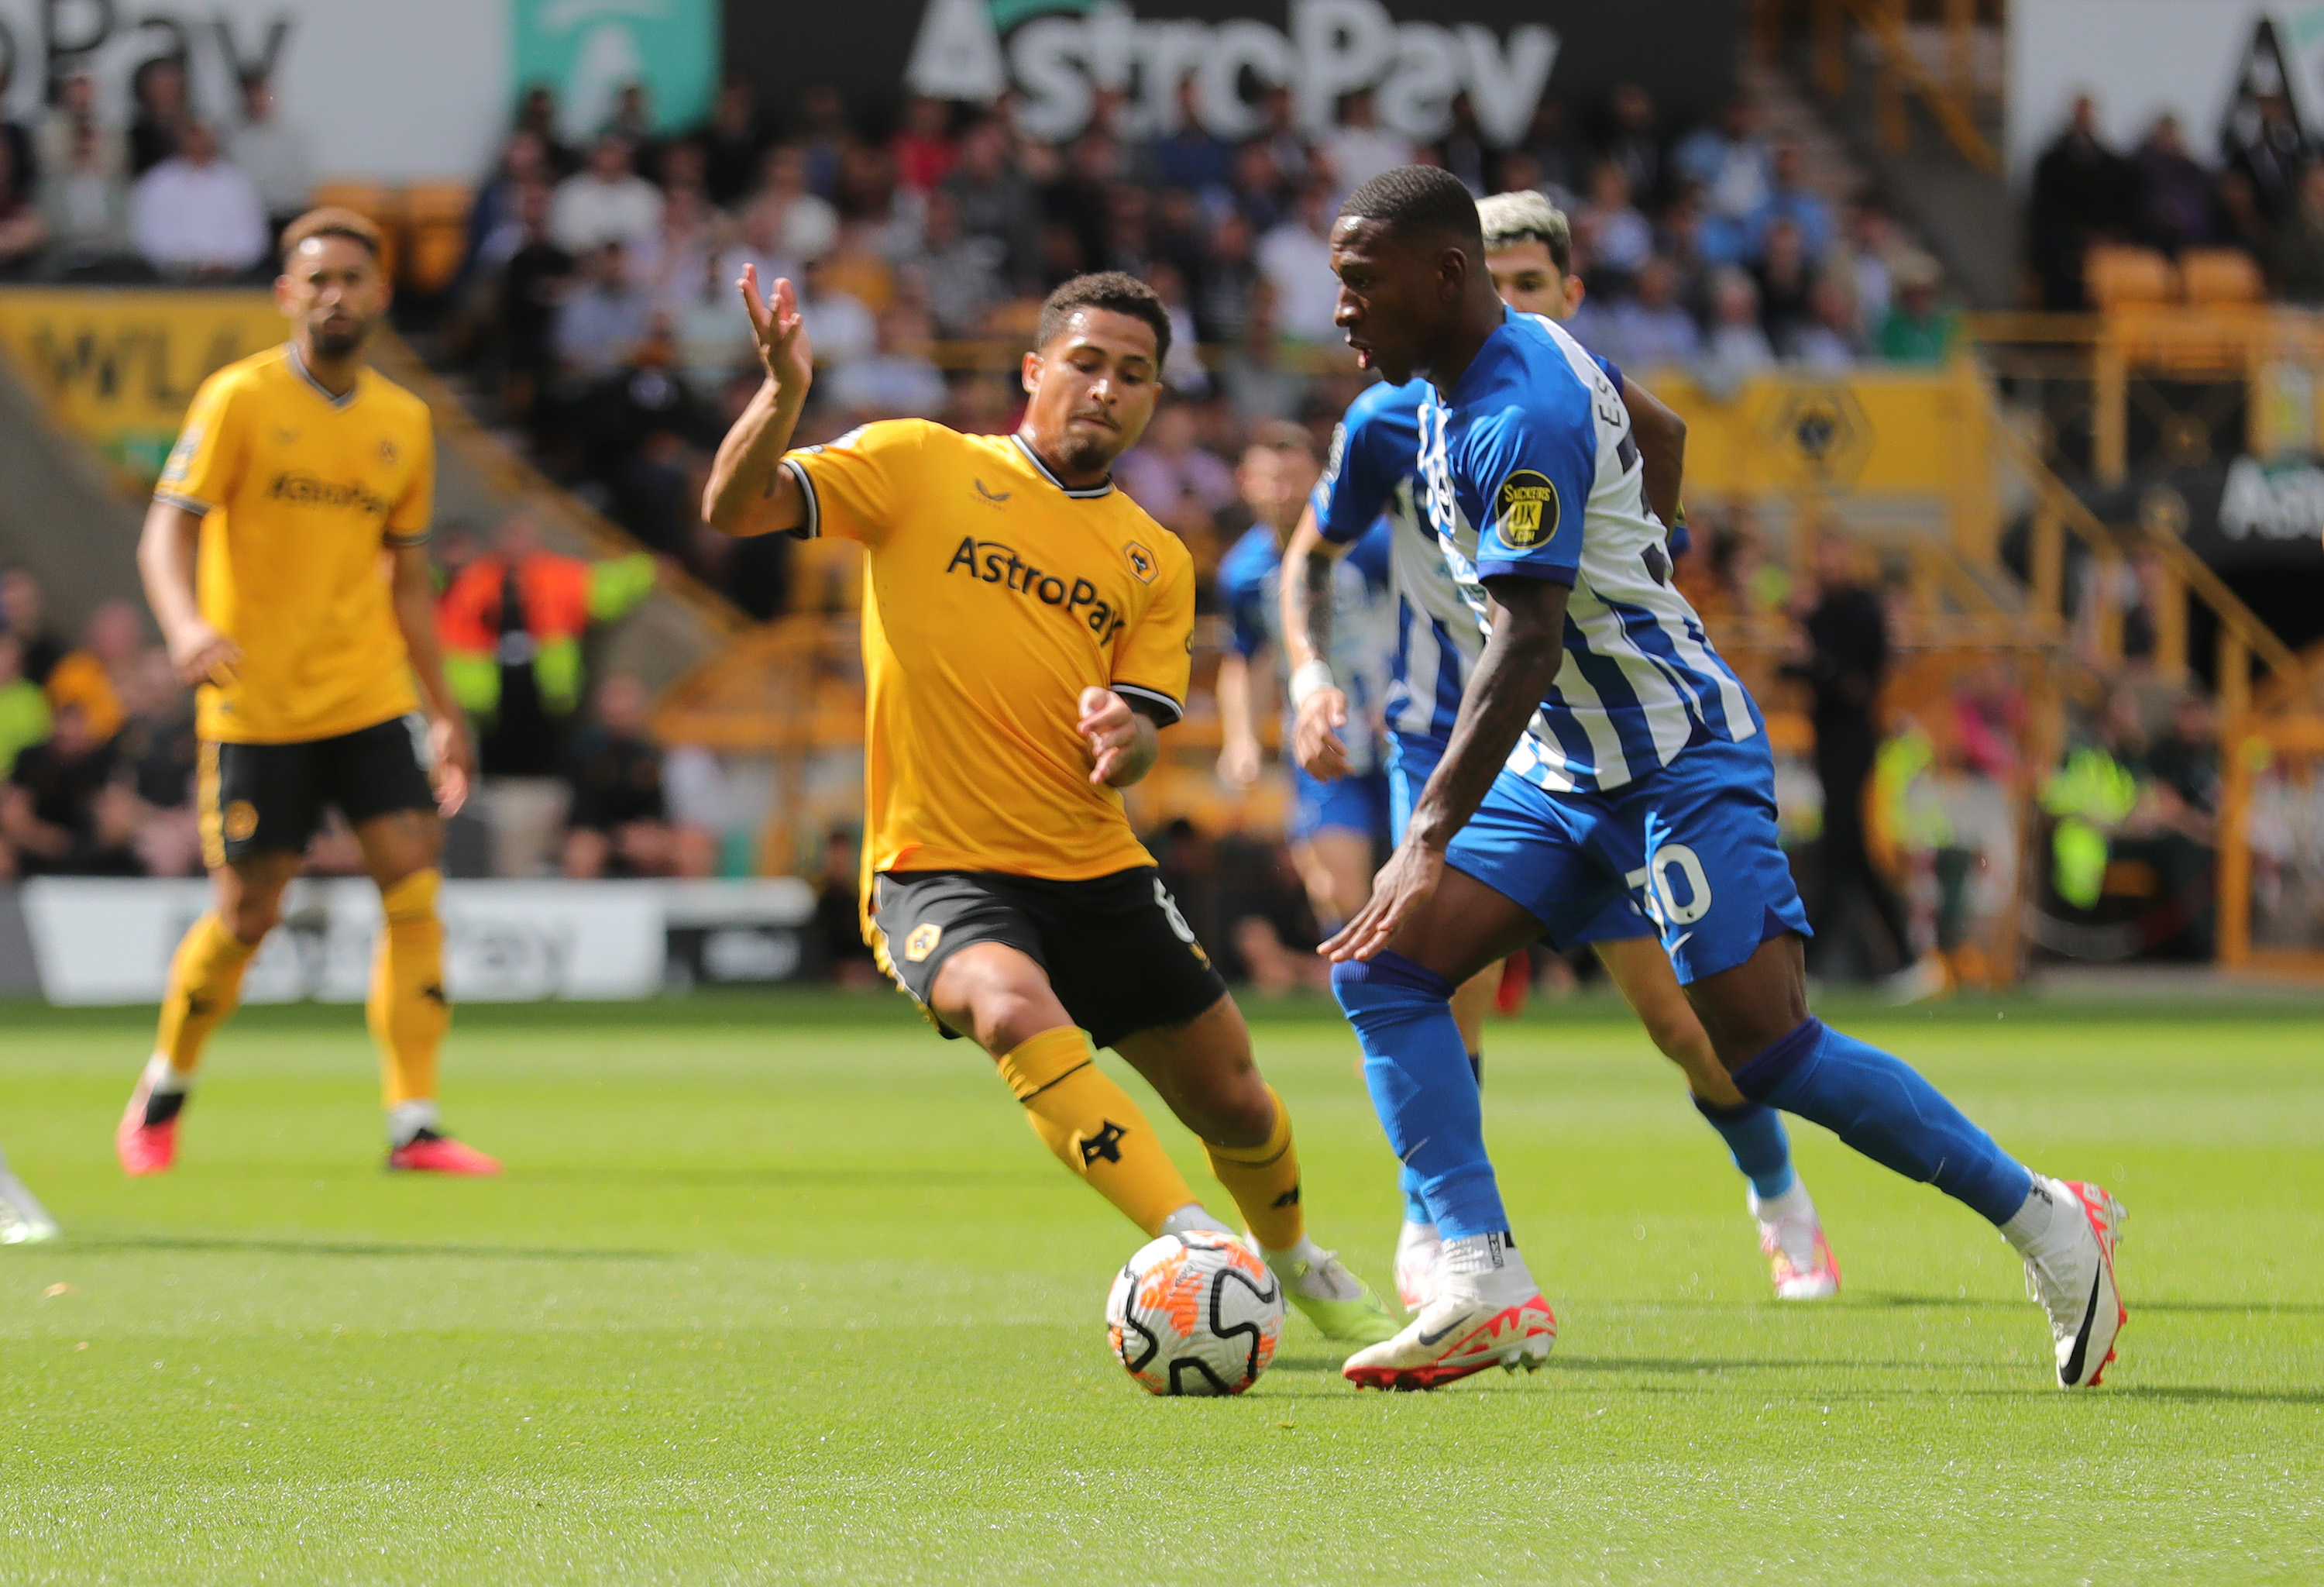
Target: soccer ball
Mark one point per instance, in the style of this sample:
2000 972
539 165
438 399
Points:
1195 1314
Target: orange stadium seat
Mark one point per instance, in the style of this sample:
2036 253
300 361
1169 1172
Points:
382 205
435 216
2220 275
2117 277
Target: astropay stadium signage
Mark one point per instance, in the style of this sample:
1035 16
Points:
1056 57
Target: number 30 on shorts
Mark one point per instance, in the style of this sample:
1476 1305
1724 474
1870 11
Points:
1679 904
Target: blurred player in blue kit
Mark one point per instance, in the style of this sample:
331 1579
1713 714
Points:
1603 751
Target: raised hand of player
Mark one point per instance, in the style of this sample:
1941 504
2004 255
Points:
1110 728
452 759
1314 739
199 653
1402 886
781 330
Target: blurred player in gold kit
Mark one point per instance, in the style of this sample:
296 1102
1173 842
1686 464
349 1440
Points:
300 473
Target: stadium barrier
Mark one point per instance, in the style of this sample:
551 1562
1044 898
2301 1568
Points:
108 940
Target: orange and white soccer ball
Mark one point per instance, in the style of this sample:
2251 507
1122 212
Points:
1195 1314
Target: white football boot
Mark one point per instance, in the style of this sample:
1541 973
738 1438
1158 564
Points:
1791 1237
2070 1269
1473 1320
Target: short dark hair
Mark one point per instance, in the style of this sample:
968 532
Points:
1111 289
331 222
1415 199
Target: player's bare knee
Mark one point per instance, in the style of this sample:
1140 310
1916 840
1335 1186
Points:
250 917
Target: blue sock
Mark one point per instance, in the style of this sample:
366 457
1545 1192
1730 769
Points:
1417 1070
1415 1209
1754 1133
1882 1107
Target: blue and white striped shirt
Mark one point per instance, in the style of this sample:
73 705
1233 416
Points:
1533 446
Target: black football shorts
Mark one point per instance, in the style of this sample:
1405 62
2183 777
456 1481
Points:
1118 955
269 798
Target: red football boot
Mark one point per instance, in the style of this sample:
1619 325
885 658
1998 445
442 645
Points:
430 1153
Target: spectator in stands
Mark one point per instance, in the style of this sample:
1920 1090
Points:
1290 154
839 325
2262 143
1619 240
536 113
61 814
24 615
1729 161
1252 378
71 112
1869 243
23 230
1226 279
712 341
996 201
600 322
1920 328
1632 137
1295 258
2297 260
1737 347
2083 192
733 142
608 202
1169 475
512 624
25 718
621 824
96 677
1651 327
16 139
821 114
1558 170
86 206
1842 654
1358 148
1183 370
805 224
897 381
631 120
1786 278
924 148
1190 156
957 275
1463 149
157 752
196 215
274 153
531 291
1790 200
2175 193
158 90
1827 337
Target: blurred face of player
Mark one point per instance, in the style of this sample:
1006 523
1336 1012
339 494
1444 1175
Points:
1529 281
1397 297
1275 482
333 290
1091 388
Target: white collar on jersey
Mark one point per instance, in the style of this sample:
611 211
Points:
1104 487
299 367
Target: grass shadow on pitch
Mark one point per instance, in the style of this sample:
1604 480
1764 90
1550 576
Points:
902 1176
2137 1304
366 1249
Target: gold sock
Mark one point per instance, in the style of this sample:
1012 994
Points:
1263 1180
205 985
408 1011
1094 1127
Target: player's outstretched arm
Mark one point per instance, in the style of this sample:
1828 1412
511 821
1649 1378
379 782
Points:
165 562
412 588
1661 436
1520 662
750 491
1320 704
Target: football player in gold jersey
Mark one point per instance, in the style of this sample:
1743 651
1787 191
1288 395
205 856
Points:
301 490
1027 629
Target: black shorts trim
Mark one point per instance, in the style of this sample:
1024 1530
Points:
1117 953
270 798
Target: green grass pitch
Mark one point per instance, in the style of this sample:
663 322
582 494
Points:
782 1289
